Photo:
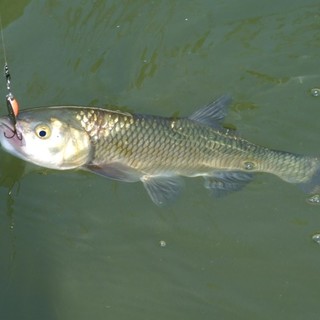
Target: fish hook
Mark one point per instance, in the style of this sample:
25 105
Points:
14 133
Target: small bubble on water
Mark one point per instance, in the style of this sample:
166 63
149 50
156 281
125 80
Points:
162 243
315 199
315 92
316 238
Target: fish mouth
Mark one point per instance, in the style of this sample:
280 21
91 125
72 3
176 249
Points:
9 133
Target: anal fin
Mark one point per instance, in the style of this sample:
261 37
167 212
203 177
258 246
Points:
221 183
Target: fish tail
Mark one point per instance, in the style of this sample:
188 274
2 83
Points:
301 170
312 186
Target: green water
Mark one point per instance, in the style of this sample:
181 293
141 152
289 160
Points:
77 246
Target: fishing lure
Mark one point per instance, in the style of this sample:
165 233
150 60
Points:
11 101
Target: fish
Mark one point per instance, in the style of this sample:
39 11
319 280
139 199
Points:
157 151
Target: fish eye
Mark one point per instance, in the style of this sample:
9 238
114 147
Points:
43 131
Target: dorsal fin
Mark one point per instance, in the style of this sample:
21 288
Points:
212 113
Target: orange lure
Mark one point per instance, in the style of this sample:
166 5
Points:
14 105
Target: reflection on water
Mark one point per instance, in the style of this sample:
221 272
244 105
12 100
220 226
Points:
74 245
11 173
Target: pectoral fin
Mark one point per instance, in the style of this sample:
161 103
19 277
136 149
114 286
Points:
162 190
222 183
115 170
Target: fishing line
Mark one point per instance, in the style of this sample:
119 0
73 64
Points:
12 103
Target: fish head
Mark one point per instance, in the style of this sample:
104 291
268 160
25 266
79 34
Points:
50 137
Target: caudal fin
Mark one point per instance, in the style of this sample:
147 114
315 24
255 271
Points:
313 185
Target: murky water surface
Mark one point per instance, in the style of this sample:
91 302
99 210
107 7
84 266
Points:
77 246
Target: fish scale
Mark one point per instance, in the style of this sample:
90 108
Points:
154 144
